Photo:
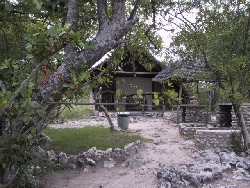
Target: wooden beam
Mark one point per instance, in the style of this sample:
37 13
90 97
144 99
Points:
180 91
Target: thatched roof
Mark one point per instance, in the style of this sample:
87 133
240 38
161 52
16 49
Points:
184 71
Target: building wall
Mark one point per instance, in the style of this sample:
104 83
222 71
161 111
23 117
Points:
131 84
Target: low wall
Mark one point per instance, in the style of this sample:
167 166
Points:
205 139
188 130
245 108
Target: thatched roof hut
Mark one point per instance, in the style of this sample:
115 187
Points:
184 71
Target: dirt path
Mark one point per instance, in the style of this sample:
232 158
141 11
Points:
168 147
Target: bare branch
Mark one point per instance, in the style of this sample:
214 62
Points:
133 13
102 13
104 110
171 30
154 12
149 37
246 34
24 83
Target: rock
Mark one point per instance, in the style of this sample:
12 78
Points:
157 135
171 175
130 149
136 163
210 166
164 184
44 140
62 158
110 163
90 162
39 151
241 174
52 156
107 153
99 154
246 164
138 142
81 160
73 162
229 158
125 163
72 166
87 168
91 152
37 170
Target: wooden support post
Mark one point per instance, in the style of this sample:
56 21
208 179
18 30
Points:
245 132
178 115
1 127
180 92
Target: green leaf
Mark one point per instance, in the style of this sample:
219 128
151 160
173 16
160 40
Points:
3 67
71 86
8 7
14 146
3 166
41 113
32 103
58 57
40 25
82 44
28 47
24 93
67 26
29 56
38 5
2 140
156 101
31 84
100 80
45 62
156 96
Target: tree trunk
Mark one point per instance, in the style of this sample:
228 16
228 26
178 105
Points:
242 125
111 32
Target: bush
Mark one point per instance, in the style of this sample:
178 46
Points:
237 142
28 172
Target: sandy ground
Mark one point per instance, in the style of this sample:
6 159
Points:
168 147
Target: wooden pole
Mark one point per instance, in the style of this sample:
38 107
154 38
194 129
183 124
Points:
180 92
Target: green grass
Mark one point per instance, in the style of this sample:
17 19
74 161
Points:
74 141
76 112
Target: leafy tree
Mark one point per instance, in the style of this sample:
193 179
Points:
47 50
219 36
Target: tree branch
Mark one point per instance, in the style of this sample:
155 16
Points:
154 12
246 35
108 37
24 83
73 14
2 86
118 10
149 37
133 13
102 13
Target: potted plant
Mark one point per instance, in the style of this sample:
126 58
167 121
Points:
122 117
